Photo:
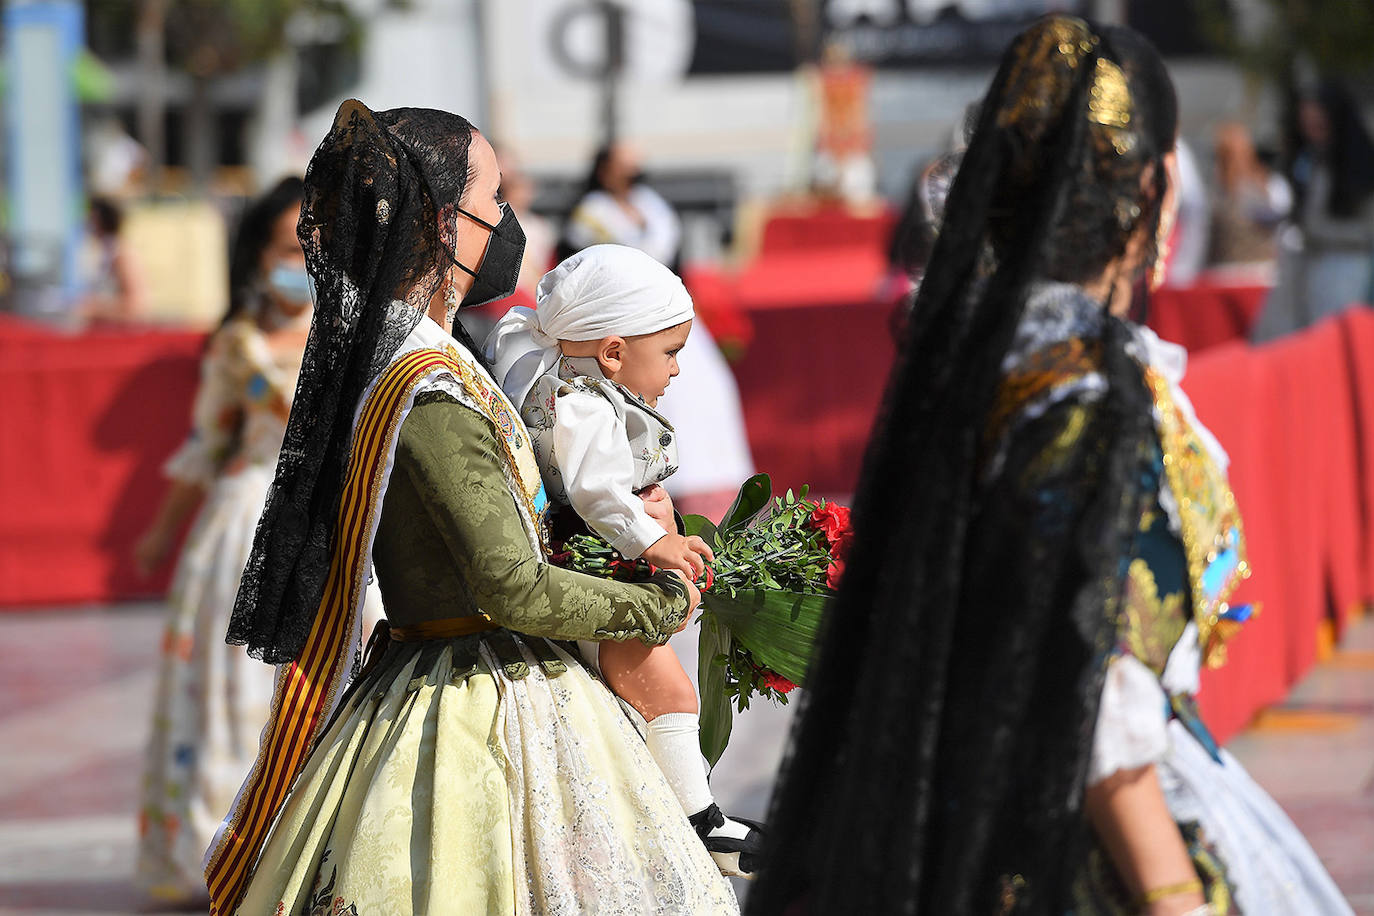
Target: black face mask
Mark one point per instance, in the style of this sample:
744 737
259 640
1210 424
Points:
496 277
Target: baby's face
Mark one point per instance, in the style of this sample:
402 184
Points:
649 362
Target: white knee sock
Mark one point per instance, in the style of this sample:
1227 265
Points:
675 745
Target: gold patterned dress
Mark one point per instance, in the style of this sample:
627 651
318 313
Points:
1188 558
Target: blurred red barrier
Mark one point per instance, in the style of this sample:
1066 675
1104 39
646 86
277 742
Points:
824 227
1297 419
88 421
1204 316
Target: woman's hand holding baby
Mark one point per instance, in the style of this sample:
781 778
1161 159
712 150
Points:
693 600
687 555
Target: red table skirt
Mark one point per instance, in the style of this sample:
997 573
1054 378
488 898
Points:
1206 315
89 420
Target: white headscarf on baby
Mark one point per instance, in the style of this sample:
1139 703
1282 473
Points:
601 291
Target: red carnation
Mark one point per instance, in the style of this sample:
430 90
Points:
777 682
834 573
832 520
710 579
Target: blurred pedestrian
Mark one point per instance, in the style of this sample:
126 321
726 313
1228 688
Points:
1337 217
914 235
1185 250
844 136
618 207
518 190
212 698
117 291
1326 264
1249 201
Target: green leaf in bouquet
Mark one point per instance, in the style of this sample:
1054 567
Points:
754 496
779 628
700 526
716 717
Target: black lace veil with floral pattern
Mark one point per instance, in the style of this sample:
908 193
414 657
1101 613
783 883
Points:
378 225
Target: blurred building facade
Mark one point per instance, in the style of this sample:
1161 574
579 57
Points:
721 97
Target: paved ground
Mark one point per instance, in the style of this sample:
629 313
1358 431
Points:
75 690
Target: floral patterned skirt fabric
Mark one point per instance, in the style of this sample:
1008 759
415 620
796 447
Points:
212 698
456 779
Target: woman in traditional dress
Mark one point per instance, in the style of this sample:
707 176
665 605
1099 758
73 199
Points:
473 766
213 699
1001 715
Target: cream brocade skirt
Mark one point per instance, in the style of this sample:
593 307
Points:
487 774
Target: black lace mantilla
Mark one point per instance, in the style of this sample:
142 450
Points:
377 227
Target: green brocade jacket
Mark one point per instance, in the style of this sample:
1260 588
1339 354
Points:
451 543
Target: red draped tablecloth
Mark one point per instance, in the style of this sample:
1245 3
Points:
1295 417
1206 315
88 421
812 380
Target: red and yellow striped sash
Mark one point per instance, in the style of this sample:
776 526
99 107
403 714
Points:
306 688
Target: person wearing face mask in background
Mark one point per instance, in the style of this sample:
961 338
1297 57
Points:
213 699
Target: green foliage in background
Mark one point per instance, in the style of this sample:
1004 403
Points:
208 38
1336 37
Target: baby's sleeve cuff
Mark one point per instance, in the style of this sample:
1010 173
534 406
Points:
638 536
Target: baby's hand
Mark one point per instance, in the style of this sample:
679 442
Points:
688 556
659 505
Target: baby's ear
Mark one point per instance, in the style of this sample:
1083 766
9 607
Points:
611 354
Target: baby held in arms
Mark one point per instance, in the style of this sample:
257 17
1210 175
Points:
586 368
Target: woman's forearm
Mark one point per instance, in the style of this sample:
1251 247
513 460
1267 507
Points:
451 457
152 548
1128 812
181 500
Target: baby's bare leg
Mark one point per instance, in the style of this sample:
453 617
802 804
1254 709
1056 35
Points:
649 678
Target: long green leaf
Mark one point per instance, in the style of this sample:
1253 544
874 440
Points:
699 525
754 496
778 627
717 718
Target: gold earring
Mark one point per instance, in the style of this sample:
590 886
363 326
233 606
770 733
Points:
450 303
1160 269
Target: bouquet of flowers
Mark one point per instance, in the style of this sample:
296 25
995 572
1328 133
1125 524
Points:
778 561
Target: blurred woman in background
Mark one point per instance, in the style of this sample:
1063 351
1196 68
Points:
1326 265
1249 201
1337 216
618 208
117 294
212 699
